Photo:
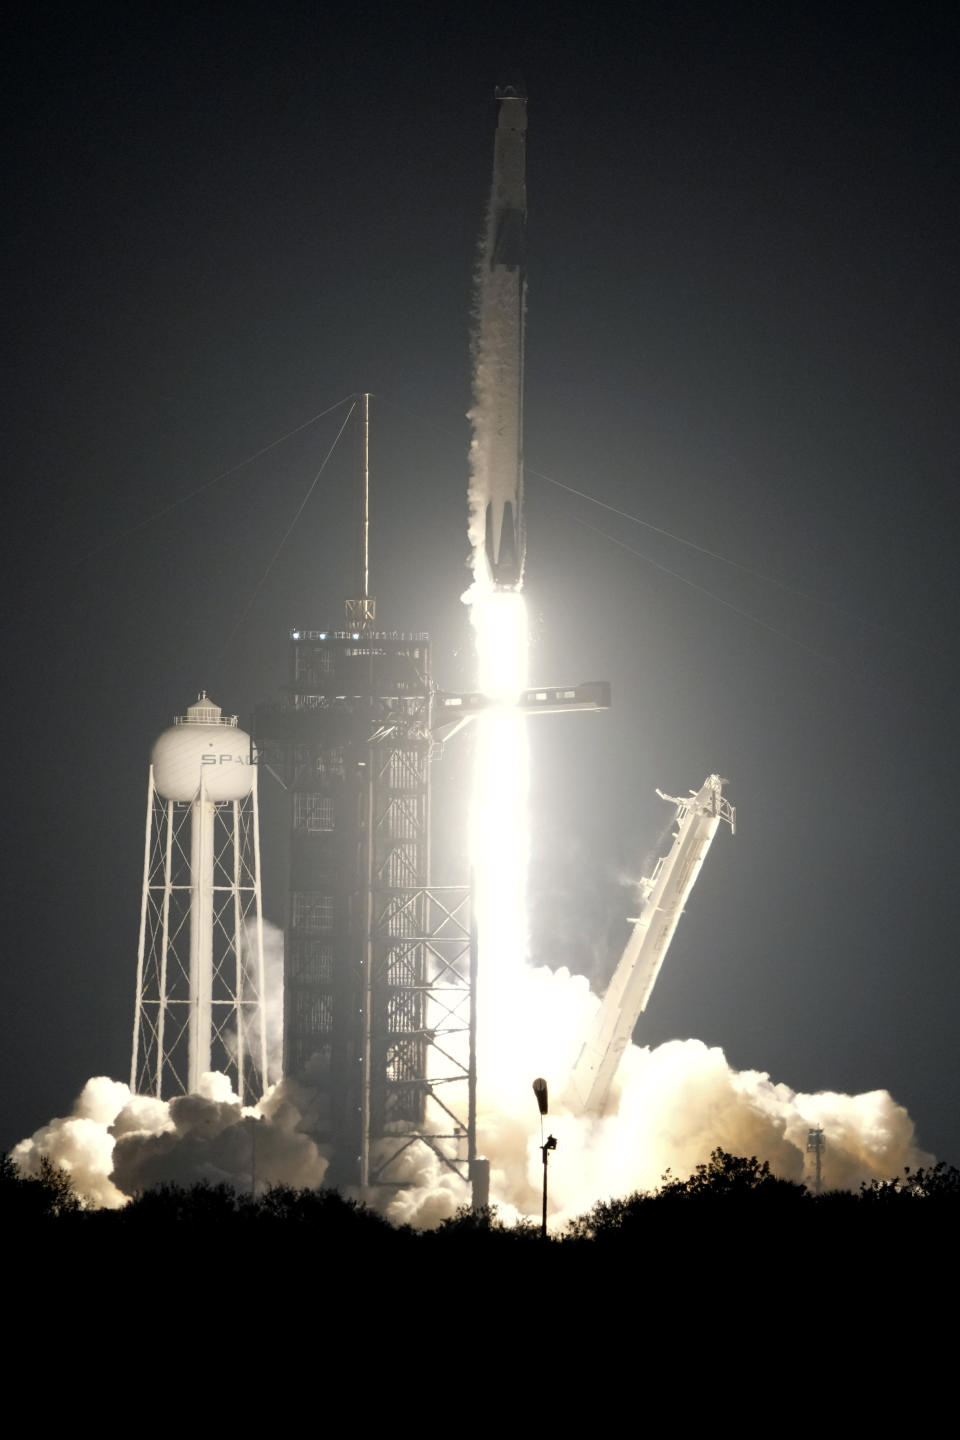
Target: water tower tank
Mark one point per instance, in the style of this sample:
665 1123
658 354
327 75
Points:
205 745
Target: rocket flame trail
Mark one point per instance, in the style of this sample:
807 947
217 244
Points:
499 830
115 1144
499 820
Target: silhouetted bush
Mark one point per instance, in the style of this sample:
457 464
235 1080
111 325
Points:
728 1219
47 1196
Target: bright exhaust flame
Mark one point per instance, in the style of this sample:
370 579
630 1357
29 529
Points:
499 828
500 620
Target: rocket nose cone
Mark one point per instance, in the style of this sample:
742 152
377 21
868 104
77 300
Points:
512 87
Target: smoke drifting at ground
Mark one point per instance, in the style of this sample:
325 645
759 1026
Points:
115 1144
678 1103
670 1108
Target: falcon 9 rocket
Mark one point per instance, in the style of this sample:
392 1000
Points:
496 491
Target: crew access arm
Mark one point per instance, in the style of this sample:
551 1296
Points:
665 895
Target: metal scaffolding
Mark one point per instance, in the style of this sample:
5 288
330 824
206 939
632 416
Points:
377 975
424 1026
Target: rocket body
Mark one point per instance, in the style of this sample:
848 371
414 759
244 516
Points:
496 489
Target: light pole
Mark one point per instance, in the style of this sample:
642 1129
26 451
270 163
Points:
255 1120
540 1090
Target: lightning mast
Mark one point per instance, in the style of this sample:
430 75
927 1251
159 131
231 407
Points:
665 894
362 609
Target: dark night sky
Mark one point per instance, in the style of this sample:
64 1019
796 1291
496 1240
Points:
742 329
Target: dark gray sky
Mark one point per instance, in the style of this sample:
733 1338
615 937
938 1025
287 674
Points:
742 330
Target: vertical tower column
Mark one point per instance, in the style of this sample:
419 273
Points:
201 937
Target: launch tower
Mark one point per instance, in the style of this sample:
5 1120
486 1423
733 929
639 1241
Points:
378 992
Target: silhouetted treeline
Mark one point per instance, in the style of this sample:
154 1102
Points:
728 1195
703 1261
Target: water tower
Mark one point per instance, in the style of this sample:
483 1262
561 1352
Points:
201 994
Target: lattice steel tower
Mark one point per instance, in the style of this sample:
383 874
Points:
816 1145
378 993
200 972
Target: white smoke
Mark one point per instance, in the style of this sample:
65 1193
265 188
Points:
672 1106
271 1001
81 1143
115 1144
669 1109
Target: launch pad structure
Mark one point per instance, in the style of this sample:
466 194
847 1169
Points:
379 966
379 1021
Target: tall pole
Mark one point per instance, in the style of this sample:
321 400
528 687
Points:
258 940
543 1105
361 608
365 510
549 1144
472 1056
366 1107
165 943
201 937
138 1008
815 1146
238 961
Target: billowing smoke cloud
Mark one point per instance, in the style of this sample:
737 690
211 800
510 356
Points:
82 1143
115 1144
670 1108
273 1006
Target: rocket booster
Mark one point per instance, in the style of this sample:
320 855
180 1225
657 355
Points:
508 197
498 408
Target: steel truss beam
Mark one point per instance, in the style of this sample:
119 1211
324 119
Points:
427 932
168 1002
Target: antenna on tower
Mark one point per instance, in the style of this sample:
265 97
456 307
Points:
815 1146
362 609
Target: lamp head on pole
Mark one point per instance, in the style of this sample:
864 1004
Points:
540 1090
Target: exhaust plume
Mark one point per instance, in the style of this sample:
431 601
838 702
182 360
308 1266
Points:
115 1144
673 1105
